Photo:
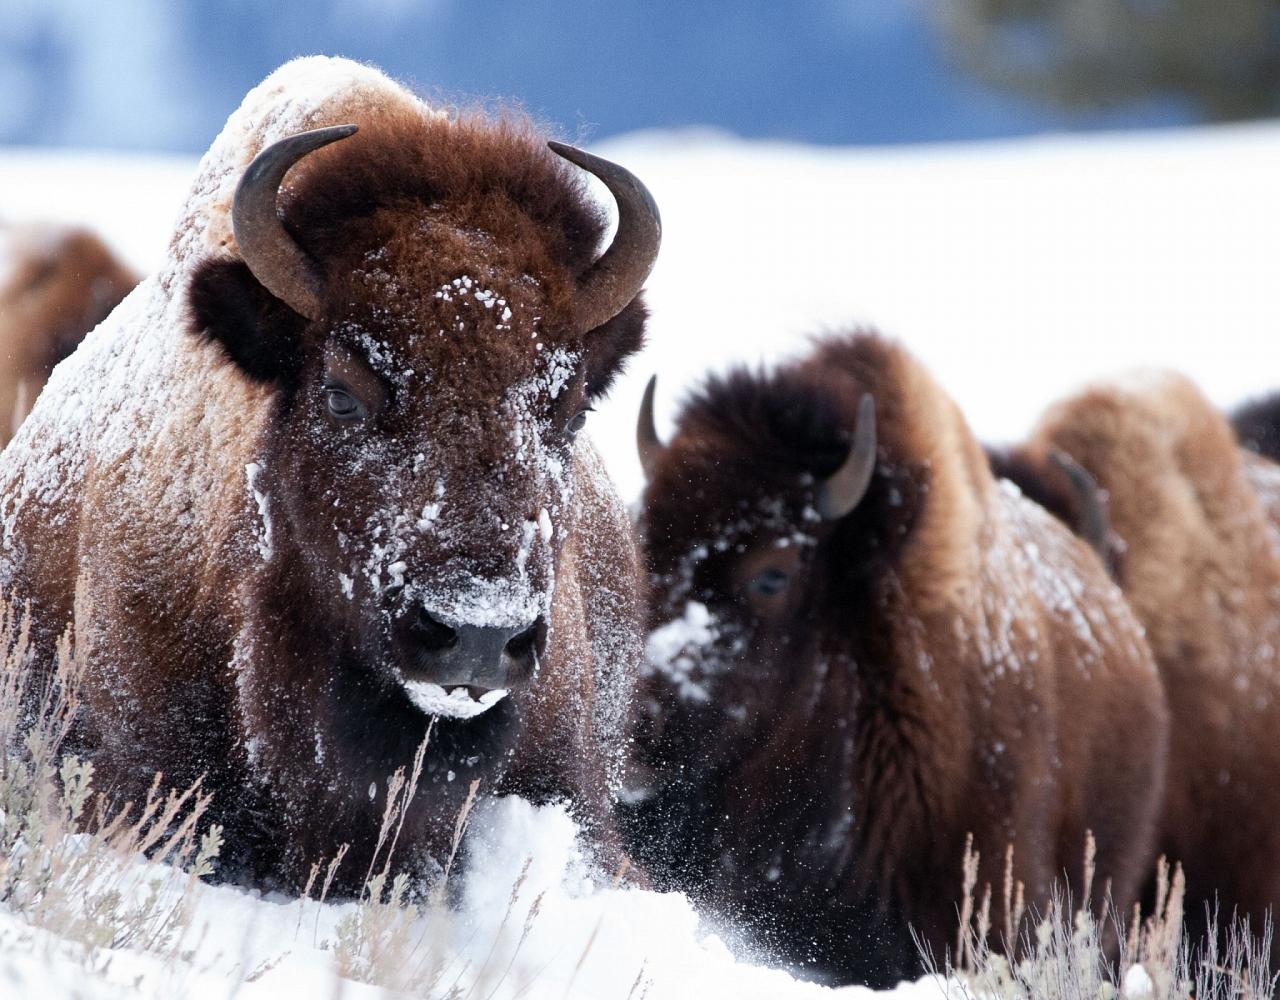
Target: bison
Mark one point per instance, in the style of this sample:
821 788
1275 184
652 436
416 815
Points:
321 480
56 284
1257 425
863 649
1065 489
1198 518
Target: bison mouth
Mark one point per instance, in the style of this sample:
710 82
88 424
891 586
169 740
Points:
460 702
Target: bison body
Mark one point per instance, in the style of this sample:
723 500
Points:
56 284
836 699
1199 521
304 493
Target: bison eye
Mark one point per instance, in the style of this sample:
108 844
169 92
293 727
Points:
770 583
577 422
342 404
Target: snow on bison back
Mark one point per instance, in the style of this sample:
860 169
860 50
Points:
320 479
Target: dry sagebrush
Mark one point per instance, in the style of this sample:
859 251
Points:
69 857
1064 953
99 875
71 864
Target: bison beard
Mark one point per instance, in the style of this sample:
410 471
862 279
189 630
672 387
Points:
325 460
835 700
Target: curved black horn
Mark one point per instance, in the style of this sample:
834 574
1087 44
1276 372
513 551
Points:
617 277
648 443
844 489
283 267
1094 526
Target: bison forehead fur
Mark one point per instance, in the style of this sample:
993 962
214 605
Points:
450 248
831 706
241 502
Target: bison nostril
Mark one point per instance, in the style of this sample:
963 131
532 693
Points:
526 645
433 634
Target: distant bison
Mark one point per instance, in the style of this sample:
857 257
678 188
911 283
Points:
322 480
56 284
1199 521
1257 425
863 649
1065 489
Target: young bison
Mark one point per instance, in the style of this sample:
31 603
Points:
56 284
863 652
321 480
1199 519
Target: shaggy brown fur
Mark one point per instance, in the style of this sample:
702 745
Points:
1049 485
1202 573
247 627
59 283
945 659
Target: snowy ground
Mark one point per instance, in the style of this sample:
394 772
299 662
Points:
1016 270
582 941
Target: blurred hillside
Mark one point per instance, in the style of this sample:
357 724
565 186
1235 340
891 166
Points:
159 75
1221 57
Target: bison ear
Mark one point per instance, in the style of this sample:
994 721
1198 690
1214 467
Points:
608 346
259 333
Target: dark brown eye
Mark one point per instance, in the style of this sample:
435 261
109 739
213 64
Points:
770 583
577 422
342 404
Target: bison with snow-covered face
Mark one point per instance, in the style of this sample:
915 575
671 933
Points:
56 284
324 481
864 648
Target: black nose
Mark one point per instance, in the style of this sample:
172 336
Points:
482 657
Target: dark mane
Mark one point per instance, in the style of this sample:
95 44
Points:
789 425
752 433
1257 425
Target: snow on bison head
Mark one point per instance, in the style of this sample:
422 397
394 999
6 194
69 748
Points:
322 478
428 308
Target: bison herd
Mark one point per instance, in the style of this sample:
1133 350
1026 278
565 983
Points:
316 492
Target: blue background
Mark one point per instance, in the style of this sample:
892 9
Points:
164 74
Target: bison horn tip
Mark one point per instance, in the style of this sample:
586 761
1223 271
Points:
844 489
617 277
648 443
1095 525
279 264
